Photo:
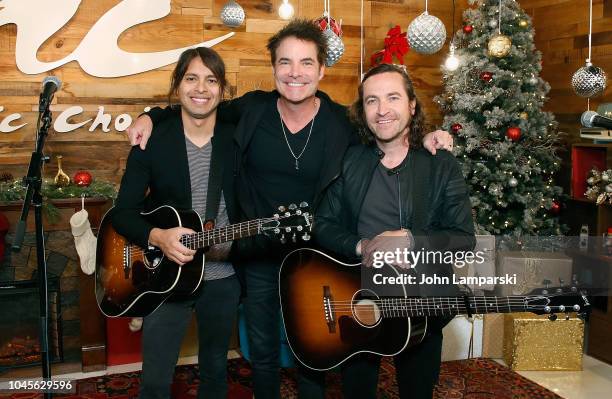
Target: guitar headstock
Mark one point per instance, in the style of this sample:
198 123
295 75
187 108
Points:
552 301
291 222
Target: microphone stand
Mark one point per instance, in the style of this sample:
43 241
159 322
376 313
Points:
34 198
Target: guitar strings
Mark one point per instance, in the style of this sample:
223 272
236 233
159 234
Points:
216 234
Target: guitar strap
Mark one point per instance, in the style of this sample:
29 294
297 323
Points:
215 179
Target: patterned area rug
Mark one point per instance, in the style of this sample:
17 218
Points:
462 379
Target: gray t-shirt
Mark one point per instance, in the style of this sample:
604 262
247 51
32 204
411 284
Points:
199 165
380 209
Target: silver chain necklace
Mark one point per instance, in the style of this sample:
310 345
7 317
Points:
297 158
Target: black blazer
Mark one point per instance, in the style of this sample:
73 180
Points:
163 170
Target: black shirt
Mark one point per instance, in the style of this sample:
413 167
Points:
270 169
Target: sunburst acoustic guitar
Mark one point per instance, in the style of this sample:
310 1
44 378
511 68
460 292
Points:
134 281
329 317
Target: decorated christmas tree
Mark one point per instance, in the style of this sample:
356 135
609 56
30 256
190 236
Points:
493 104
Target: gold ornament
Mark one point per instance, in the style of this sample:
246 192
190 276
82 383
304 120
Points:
524 115
61 178
523 23
499 46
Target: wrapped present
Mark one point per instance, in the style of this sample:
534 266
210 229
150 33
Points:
533 342
462 338
493 336
532 269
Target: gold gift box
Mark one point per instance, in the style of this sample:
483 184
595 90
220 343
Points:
533 342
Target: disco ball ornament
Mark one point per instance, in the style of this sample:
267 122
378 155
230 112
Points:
493 23
426 34
232 14
589 81
499 46
335 47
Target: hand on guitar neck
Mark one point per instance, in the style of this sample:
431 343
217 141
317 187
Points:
168 240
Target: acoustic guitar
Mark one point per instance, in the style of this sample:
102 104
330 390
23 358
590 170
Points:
329 317
134 281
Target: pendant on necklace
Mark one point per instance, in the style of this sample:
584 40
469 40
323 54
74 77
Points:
297 165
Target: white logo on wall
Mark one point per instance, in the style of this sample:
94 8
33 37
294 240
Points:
98 54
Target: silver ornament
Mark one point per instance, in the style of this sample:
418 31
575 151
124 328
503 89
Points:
232 14
589 81
591 180
426 34
335 47
513 182
493 23
533 81
605 176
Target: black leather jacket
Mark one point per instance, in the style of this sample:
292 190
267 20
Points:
435 202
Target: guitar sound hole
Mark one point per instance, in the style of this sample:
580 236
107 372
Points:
365 309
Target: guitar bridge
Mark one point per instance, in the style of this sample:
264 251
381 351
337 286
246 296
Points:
328 307
127 260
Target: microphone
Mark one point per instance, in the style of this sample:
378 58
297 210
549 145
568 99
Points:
51 84
593 119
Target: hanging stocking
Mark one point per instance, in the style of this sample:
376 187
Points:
84 240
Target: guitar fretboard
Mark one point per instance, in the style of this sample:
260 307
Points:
223 234
451 306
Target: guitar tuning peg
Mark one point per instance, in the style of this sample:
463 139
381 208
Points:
283 239
294 238
299 228
306 236
276 216
552 317
282 208
292 207
288 229
303 204
298 212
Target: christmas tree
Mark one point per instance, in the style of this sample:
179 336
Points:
493 104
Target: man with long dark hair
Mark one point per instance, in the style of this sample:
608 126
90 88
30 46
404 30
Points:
175 171
391 194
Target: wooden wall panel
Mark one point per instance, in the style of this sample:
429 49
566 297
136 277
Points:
190 21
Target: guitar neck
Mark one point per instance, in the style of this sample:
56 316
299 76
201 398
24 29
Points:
451 306
223 234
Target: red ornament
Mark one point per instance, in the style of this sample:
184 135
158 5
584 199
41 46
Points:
82 178
513 133
555 208
335 26
468 29
456 127
486 76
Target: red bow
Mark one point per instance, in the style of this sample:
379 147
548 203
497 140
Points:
396 45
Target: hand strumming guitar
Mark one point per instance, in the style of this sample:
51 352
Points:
168 240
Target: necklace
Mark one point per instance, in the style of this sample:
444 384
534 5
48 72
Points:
297 158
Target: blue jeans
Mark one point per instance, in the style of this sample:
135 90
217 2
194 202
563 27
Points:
164 330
